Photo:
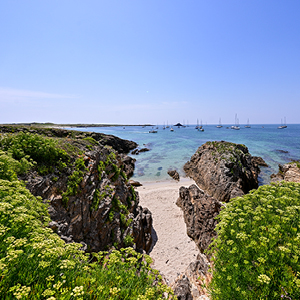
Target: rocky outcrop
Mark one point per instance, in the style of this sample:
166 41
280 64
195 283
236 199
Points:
118 144
135 183
182 289
259 161
223 170
138 151
90 198
128 165
193 282
174 174
199 211
287 172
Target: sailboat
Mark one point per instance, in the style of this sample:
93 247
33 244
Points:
197 127
220 124
236 126
164 126
248 125
167 125
200 128
282 125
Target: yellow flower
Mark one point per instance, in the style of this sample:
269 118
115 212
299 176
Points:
264 279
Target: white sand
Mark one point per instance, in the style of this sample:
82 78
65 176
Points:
172 249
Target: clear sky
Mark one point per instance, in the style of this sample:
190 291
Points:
137 61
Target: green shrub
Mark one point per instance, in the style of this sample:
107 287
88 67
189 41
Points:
116 171
256 253
40 149
123 174
128 241
10 168
91 140
73 183
36 264
44 152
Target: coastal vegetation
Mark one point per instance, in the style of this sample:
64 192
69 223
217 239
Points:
256 252
35 262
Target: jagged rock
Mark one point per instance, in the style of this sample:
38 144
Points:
144 150
129 164
182 289
224 170
135 151
174 174
259 161
197 277
135 183
138 151
104 211
199 212
287 172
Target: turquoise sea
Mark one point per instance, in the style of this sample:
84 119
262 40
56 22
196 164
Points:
171 150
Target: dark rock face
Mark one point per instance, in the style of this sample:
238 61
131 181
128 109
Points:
104 210
199 212
138 151
259 161
174 174
287 172
135 183
129 164
183 289
223 170
195 279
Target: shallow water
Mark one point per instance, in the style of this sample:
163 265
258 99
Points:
171 150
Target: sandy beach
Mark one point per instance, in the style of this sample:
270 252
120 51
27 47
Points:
172 250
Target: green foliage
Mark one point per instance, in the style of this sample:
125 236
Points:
123 219
79 164
74 180
91 140
111 215
116 172
122 173
97 198
100 168
54 179
10 168
41 150
128 241
36 264
133 193
116 204
256 253
110 158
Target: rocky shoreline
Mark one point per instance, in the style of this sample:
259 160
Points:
104 212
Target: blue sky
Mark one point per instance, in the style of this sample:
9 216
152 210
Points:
136 61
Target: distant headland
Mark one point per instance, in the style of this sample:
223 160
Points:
48 124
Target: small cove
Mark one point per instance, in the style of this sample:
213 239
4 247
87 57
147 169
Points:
170 150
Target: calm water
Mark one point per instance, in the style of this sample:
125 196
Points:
171 150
